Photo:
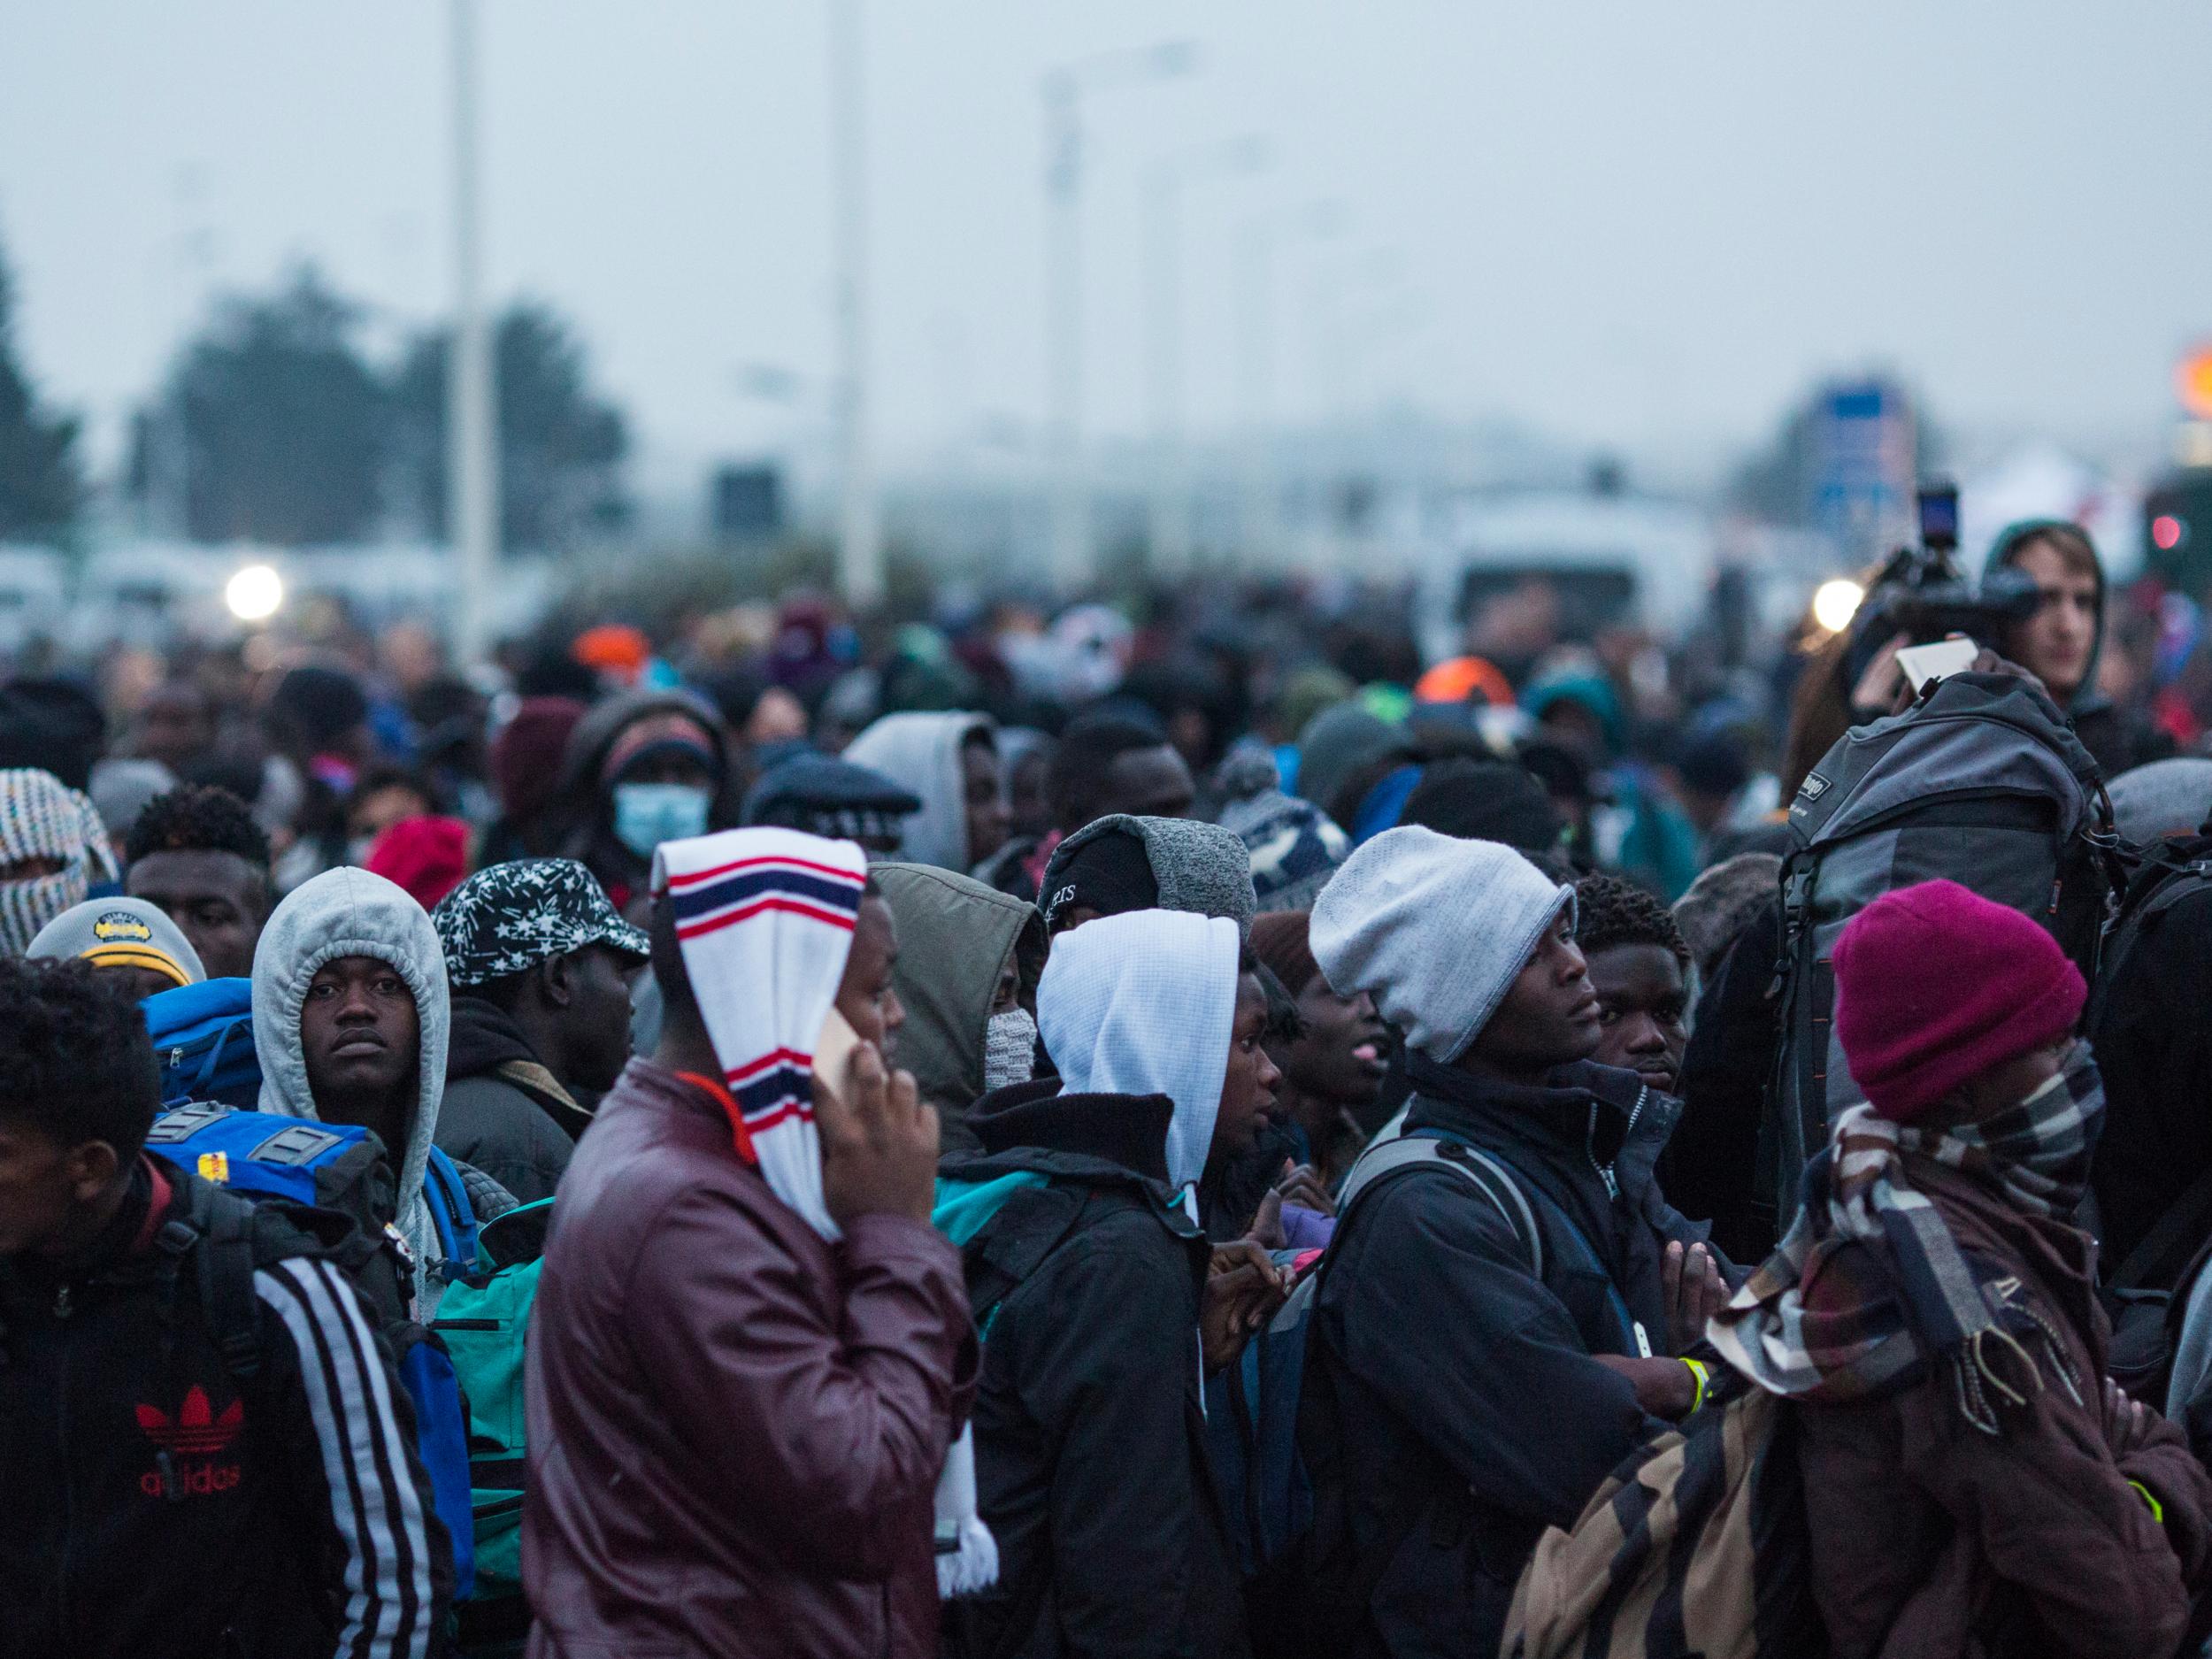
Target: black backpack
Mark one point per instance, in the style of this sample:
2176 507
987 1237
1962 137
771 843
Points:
1981 781
2146 1292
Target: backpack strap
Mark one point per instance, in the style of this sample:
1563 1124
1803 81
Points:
446 1193
1418 1149
222 1225
2158 886
2186 1223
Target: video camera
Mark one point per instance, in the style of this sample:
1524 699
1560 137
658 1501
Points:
1920 593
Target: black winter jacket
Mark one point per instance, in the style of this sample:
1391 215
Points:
1471 1413
158 1502
2155 1050
503 1112
1091 1464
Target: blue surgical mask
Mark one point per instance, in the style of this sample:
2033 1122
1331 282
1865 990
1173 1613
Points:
647 814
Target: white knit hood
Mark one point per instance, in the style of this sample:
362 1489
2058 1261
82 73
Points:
1143 1003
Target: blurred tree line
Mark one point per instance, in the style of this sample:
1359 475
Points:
274 425
40 487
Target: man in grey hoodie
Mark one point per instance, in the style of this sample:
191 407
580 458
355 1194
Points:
350 1019
1120 863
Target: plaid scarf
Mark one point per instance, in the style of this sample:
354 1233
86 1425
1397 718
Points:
1821 1320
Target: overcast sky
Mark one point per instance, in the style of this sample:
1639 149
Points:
1625 223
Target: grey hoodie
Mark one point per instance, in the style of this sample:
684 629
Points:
349 913
921 753
1198 867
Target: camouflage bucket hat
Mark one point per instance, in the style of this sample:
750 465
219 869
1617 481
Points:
512 917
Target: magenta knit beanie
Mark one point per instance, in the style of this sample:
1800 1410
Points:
1935 984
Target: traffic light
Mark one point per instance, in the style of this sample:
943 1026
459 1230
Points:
2178 531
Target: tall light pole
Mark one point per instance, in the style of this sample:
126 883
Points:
1070 544
860 523
1164 183
471 389
1259 241
1259 526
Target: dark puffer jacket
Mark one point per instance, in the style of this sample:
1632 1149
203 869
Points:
1472 1413
1091 1464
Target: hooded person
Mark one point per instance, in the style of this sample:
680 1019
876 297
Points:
640 769
53 853
1931 1315
127 937
351 1021
950 764
1091 1461
1118 863
1487 1381
969 961
2062 642
796 1363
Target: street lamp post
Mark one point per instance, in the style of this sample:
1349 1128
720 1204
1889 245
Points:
860 524
1164 183
471 389
1070 534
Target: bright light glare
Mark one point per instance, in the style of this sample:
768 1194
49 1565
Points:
1836 602
254 593
2166 533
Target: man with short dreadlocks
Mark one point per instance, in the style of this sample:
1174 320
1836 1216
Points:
1975 1484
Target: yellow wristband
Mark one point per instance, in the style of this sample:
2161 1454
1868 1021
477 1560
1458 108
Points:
1697 1371
2158 1510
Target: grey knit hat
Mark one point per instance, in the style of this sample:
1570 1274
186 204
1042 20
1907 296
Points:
1200 867
1435 929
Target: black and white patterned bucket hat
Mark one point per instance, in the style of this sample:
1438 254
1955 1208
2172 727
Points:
514 916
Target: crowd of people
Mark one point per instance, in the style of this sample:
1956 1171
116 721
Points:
1185 1131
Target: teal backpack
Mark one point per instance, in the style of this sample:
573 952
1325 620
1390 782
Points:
483 1319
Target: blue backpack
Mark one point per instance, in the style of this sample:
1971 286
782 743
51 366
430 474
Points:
343 1167
204 1039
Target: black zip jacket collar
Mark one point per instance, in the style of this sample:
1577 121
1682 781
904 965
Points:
1603 1117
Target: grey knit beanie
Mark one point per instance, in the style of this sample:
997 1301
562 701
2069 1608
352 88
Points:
1435 929
1200 867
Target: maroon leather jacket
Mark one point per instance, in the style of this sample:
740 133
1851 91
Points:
736 1428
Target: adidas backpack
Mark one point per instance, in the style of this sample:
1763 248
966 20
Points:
1981 781
342 1168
